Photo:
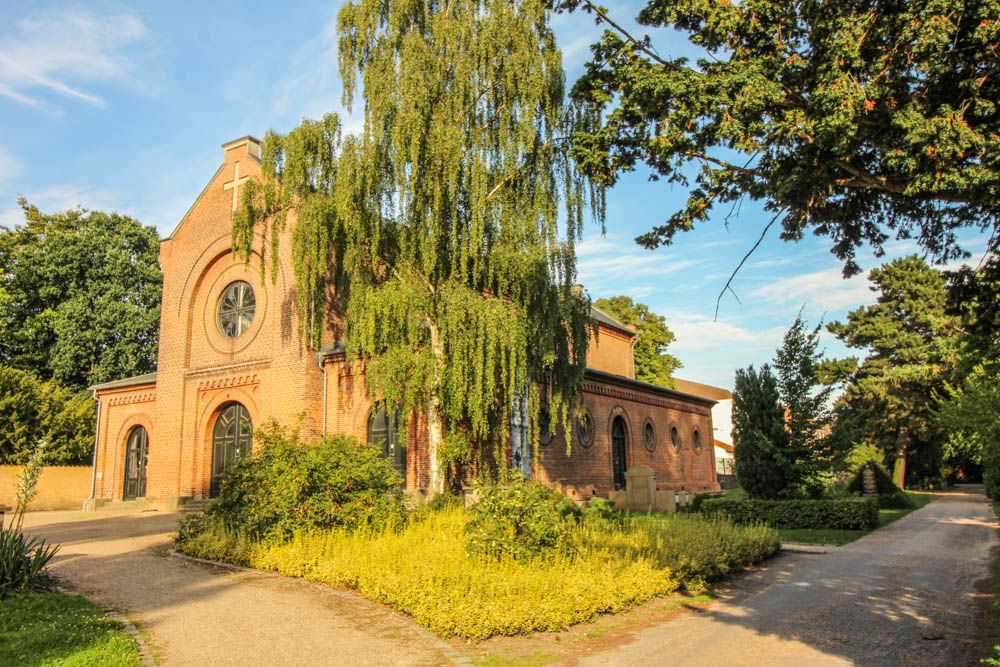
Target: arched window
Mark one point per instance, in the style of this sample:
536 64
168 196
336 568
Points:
384 429
236 309
136 455
619 447
696 440
232 439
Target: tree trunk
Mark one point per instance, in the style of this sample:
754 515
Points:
435 423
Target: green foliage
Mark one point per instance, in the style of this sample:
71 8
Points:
599 508
64 630
840 513
889 495
32 411
759 433
969 414
23 560
862 453
82 296
438 228
797 363
857 121
520 520
911 345
286 486
652 363
426 571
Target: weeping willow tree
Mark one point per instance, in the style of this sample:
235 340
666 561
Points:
447 228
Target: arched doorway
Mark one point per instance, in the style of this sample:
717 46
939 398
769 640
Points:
136 455
232 439
619 446
384 429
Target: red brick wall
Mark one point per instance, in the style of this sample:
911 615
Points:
587 471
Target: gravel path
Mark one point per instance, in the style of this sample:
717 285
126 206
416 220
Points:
908 594
195 614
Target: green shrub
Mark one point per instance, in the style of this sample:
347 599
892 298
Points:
23 560
842 514
520 520
890 496
287 486
425 570
600 509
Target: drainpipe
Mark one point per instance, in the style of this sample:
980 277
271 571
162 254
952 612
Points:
321 361
97 439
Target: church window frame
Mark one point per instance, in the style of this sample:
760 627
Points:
696 440
236 308
585 429
649 435
391 436
675 436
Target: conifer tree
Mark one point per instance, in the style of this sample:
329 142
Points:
447 228
804 398
762 467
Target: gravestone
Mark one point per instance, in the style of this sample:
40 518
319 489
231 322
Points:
666 500
640 488
870 488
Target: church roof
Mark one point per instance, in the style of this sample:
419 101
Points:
611 321
703 390
148 378
604 376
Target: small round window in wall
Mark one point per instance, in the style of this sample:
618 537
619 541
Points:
649 435
585 429
696 440
675 437
236 309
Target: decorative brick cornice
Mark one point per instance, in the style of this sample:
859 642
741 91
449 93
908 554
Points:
127 399
227 382
601 389
228 369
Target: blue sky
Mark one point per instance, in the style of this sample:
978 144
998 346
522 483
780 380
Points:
124 107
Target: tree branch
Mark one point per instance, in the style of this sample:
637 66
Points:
743 261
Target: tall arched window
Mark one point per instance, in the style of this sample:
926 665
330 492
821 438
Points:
232 439
619 448
136 455
384 429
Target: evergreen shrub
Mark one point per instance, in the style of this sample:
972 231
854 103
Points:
287 486
830 513
890 496
520 519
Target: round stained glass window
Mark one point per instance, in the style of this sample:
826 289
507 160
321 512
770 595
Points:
236 309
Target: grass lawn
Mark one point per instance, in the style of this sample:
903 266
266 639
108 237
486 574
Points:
56 629
838 537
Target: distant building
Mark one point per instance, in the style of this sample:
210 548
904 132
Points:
722 420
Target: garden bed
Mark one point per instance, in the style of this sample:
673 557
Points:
425 569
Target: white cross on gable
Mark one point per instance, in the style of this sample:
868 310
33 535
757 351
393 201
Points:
235 184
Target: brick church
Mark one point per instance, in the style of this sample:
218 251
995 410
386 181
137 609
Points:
230 358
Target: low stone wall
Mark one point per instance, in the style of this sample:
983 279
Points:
59 487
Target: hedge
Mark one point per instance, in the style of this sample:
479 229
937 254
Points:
838 513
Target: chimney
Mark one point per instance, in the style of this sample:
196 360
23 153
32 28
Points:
252 146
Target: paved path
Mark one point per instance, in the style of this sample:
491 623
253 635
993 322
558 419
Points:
908 594
202 615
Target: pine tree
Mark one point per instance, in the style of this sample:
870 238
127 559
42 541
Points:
911 341
804 398
448 227
762 467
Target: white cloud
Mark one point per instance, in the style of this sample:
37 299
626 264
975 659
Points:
10 166
820 290
611 265
58 198
63 51
697 332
